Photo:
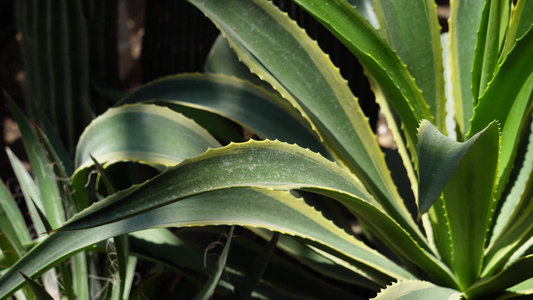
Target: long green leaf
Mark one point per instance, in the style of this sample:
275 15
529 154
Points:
278 211
297 68
223 60
8 246
377 57
424 61
465 18
265 164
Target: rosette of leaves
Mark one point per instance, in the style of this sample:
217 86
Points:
469 176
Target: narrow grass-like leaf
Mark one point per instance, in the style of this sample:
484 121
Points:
13 215
63 269
424 62
42 169
111 189
55 45
29 190
42 216
62 167
465 18
8 248
409 289
209 287
297 68
121 242
277 211
257 269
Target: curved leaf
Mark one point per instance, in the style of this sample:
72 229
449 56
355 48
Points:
141 133
278 211
150 134
439 156
271 165
296 67
258 110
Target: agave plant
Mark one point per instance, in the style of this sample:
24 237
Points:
469 175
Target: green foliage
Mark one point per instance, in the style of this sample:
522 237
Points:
312 169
